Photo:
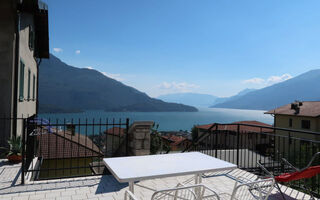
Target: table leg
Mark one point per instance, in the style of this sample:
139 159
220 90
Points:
198 180
131 188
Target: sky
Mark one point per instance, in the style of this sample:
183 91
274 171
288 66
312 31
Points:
217 47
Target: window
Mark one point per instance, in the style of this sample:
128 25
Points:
290 122
31 38
21 81
34 87
29 77
305 124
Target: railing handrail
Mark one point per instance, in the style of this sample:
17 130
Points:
216 125
270 127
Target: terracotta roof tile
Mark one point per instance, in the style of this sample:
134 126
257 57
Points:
308 108
231 127
59 144
175 139
116 131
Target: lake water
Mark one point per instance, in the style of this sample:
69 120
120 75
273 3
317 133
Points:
169 121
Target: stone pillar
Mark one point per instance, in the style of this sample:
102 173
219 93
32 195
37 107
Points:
139 138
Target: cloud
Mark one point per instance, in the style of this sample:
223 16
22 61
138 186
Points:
254 81
57 50
113 76
278 79
269 81
177 87
77 51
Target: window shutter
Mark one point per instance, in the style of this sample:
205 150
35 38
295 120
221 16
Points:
21 84
34 87
31 38
29 80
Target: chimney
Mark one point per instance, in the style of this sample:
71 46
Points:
296 106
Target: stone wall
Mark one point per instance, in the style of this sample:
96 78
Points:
139 138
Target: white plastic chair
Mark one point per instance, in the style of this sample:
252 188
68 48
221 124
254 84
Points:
247 189
180 193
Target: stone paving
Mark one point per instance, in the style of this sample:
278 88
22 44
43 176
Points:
108 188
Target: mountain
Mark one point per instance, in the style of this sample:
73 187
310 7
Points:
193 99
63 88
224 99
303 88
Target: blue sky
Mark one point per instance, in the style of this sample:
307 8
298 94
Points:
215 47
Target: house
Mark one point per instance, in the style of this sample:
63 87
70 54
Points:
60 149
24 41
250 134
176 143
303 116
115 141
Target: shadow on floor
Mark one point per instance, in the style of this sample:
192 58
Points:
109 184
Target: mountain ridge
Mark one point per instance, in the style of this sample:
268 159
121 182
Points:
65 87
302 88
189 98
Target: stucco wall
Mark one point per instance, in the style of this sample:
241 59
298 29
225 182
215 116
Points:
7 44
283 122
27 106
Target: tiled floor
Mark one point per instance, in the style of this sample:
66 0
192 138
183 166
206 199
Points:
106 187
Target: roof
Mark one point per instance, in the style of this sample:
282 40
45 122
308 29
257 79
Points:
116 131
60 144
306 108
233 126
176 140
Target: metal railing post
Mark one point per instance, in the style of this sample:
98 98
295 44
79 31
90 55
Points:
127 136
238 144
24 127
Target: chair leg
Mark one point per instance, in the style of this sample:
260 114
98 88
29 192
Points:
278 187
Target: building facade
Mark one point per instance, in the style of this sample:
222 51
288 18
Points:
24 41
304 116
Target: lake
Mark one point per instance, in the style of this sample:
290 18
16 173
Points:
169 121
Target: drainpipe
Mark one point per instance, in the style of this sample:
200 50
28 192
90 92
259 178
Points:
16 70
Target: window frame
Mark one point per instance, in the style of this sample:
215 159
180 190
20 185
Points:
34 87
290 122
29 84
31 38
303 121
21 81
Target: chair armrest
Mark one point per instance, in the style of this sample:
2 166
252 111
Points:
129 196
244 180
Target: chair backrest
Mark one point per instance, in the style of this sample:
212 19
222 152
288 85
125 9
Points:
260 189
179 193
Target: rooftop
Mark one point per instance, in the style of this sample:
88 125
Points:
107 187
234 127
176 140
304 108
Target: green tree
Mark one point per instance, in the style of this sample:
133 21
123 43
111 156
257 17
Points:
194 133
155 143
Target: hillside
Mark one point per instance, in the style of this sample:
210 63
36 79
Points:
234 97
303 87
193 99
63 88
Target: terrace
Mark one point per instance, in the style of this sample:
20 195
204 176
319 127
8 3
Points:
80 174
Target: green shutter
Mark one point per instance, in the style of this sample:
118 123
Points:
34 87
21 84
29 79
31 38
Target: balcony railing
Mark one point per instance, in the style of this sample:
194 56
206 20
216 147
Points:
246 144
61 149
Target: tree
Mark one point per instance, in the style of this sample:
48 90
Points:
194 133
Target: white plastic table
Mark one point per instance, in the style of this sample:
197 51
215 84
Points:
137 168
